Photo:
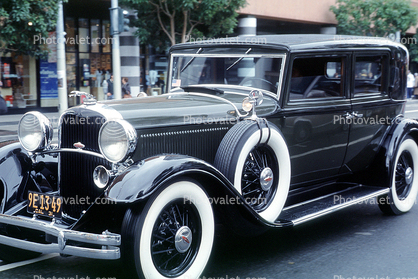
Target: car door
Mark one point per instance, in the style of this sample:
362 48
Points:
315 96
372 111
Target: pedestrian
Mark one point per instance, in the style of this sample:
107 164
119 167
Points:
410 83
3 104
416 86
104 85
126 88
109 94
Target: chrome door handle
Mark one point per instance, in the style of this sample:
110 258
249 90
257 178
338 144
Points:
348 115
357 115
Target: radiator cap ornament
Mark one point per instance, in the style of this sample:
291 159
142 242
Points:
79 145
86 98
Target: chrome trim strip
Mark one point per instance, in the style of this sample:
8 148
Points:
106 240
237 55
338 207
279 85
70 150
163 134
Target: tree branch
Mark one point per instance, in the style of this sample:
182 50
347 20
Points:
170 36
185 19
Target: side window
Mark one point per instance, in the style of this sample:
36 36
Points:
368 75
316 77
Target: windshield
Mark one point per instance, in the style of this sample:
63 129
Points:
242 69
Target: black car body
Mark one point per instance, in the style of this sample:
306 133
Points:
255 132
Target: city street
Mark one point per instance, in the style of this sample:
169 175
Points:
358 242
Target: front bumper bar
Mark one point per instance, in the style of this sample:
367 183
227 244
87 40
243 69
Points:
108 241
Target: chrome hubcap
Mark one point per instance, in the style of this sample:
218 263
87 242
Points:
409 175
183 239
266 179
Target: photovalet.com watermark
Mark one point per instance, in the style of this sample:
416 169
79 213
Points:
371 120
69 277
38 39
390 38
227 40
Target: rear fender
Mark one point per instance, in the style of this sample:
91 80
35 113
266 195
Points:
402 128
380 171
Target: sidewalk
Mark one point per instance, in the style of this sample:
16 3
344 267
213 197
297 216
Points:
9 123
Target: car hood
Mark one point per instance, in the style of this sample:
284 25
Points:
185 108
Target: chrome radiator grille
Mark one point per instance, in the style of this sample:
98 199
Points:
76 180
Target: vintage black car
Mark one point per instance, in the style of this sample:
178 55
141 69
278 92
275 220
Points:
255 133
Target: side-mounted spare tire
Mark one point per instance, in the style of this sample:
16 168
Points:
253 155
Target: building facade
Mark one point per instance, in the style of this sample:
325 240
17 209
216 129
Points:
32 83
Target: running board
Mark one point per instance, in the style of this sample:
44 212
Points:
312 209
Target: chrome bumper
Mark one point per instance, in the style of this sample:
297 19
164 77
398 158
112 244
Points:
108 241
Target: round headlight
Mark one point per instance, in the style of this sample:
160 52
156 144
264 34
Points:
35 131
117 140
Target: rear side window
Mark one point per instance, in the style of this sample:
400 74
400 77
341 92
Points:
369 74
316 78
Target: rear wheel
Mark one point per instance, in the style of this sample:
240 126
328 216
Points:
404 185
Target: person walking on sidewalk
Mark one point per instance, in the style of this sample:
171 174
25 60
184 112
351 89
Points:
109 94
410 83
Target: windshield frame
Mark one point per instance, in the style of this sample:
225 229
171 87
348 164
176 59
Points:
283 56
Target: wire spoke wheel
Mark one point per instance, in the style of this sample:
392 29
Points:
404 175
172 236
175 238
260 172
404 186
254 157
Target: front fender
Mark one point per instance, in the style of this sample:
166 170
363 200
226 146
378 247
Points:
141 180
14 163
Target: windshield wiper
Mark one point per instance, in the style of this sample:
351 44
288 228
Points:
191 60
239 59
202 89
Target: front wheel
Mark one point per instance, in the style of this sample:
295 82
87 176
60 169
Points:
404 185
173 235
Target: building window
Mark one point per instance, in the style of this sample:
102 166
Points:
83 34
18 81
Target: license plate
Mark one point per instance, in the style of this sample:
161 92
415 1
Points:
45 204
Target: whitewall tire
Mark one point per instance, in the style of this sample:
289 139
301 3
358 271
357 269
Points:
404 182
255 158
174 233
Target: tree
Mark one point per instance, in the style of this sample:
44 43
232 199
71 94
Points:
167 22
22 21
374 17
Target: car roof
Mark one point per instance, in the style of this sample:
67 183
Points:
298 41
